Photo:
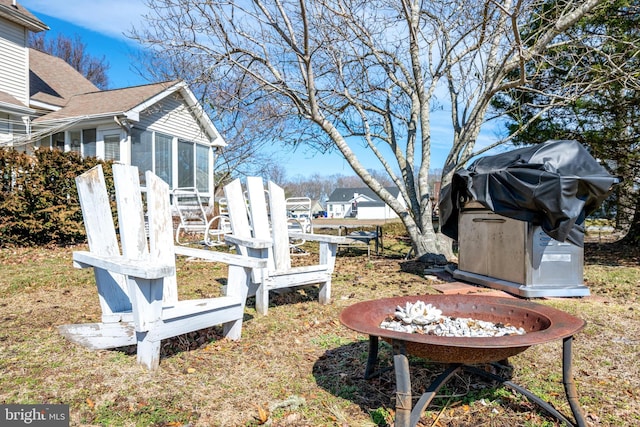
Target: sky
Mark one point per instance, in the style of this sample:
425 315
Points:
102 25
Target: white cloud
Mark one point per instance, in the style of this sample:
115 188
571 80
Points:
108 17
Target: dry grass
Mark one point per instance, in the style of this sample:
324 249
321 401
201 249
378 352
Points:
298 366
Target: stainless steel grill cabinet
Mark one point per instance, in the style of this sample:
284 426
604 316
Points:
517 257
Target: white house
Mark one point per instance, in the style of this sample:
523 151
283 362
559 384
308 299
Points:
360 203
44 102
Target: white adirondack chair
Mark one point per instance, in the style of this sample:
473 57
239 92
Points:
137 289
261 232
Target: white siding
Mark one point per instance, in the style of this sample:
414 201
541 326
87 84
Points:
338 210
376 212
14 60
172 116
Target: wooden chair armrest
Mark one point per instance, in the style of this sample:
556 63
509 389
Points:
227 258
327 238
248 242
141 268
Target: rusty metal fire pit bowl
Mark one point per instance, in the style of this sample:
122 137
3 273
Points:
541 323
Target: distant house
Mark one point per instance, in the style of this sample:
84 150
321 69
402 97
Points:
360 203
46 103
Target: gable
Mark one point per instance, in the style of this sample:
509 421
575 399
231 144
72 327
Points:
173 116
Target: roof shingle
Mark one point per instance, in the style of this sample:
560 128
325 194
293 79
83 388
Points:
53 81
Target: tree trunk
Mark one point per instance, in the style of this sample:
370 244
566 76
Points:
428 246
633 234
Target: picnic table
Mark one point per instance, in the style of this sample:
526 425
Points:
363 237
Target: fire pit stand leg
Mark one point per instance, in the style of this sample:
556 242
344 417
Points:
403 384
569 385
372 359
405 415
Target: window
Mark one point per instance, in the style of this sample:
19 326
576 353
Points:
112 147
75 135
164 157
57 141
4 123
142 149
89 142
202 168
193 165
186 169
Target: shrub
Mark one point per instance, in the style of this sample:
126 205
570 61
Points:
38 197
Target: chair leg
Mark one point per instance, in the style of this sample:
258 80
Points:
232 330
148 352
325 292
262 299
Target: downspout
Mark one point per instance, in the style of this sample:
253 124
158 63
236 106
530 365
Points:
27 125
125 125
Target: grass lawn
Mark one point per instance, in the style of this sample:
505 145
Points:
298 366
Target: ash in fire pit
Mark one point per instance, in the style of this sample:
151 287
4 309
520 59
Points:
423 318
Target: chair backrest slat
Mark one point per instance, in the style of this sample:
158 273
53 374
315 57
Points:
279 228
237 206
258 208
130 212
96 212
161 231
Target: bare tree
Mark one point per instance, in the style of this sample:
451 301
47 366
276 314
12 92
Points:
74 52
341 72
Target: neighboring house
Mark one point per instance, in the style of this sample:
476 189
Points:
316 206
44 102
360 203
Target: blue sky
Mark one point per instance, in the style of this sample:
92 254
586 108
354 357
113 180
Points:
101 25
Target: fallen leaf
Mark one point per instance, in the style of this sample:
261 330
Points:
263 415
90 403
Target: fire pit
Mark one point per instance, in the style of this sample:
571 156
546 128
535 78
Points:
541 323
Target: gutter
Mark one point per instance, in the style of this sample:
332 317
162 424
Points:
12 13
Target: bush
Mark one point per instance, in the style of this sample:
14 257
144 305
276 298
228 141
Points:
38 197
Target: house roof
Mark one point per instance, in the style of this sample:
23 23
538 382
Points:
107 102
345 195
10 102
52 81
14 12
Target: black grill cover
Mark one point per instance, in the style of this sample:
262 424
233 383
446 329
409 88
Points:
555 184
